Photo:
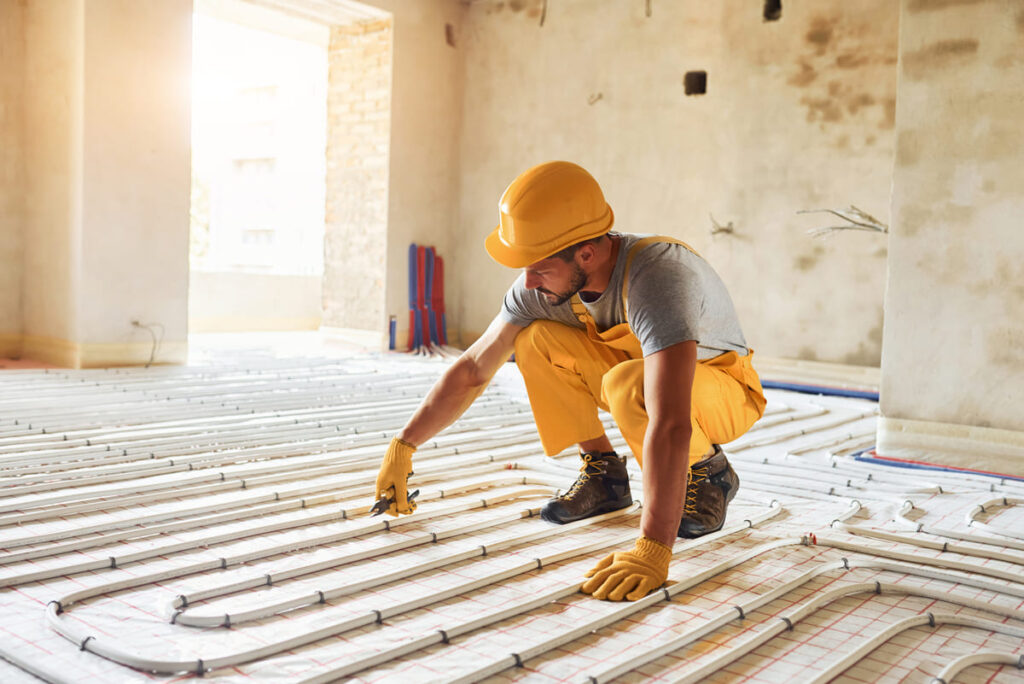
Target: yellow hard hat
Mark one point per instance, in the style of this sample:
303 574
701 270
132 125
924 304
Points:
546 209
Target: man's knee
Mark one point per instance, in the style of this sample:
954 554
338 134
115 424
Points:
536 339
622 388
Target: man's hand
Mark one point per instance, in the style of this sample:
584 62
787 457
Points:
391 480
629 574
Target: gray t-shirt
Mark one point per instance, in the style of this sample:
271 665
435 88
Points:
674 296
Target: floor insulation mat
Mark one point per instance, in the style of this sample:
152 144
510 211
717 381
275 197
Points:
172 523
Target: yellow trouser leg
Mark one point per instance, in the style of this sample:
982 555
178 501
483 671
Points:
723 407
563 370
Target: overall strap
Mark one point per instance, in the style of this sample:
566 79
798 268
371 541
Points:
637 246
580 310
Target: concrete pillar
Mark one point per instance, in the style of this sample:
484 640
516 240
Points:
358 141
953 349
107 166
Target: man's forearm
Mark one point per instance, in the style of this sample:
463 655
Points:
665 473
448 399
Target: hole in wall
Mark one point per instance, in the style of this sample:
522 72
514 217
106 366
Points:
772 10
695 82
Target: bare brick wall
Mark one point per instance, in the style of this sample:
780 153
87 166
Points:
358 125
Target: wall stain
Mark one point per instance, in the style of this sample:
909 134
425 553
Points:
822 109
820 34
807 354
842 143
928 5
870 140
804 77
917 65
854 104
989 185
851 61
908 148
805 262
1020 21
888 113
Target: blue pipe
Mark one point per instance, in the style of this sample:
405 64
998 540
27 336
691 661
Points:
819 389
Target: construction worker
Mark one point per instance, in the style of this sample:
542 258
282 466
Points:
639 326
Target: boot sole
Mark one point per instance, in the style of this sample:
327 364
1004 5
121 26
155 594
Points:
604 508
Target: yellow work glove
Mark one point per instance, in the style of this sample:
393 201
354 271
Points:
629 574
391 480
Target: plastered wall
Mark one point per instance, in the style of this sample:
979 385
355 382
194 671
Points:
954 335
798 115
359 125
12 176
106 152
53 116
426 123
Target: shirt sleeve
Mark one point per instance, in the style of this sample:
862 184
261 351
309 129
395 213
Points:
665 300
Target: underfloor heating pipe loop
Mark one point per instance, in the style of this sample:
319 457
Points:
57 610
363 527
790 618
958 665
901 518
942 547
433 537
972 515
432 468
560 593
930 619
284 471
729 615
455 556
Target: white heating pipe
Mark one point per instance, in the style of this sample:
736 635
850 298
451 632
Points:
267 528
901 518
791 617
739 612
949 673
980 508
107 648
928 544
930 619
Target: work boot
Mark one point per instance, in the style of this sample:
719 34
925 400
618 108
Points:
602 486
713 484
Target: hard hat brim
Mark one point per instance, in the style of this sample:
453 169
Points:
521 257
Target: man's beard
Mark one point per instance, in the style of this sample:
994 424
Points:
579 279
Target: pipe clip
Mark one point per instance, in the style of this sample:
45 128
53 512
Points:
789 623
60 607
200 668
739 609
931 620
878 587
444 636
181 600
81 646
519 661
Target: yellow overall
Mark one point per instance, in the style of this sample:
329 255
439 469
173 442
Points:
569 373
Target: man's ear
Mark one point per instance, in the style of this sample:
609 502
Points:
586 254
